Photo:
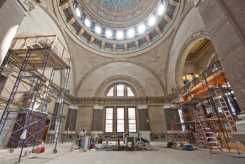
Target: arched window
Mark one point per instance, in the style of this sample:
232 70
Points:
120 119
120 90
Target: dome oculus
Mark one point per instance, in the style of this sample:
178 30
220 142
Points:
118 5
125 35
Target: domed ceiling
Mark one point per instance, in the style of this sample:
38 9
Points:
119 13
120 27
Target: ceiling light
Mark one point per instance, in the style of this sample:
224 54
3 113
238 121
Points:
78 12
141 28
152 21
120 35
161 9
131 33
87 22
108 33
98 29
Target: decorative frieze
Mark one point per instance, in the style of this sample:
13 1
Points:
196 2
98 102
27 5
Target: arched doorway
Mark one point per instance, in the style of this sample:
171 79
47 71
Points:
198 62
196 57
205 94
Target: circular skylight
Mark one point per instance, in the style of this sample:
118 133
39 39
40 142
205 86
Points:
98 29
141 28
120 35
131 33
121 26
78 12
108 33
152 21
161 9
87 22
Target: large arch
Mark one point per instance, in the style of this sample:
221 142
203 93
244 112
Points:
39 22
191 28
139 90
205 57
226 33
11 15
130 72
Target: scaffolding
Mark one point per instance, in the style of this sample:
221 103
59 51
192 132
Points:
32 63
213 113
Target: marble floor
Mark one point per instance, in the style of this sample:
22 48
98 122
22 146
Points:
161 156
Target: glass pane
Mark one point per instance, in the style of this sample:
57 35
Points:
120 119
131 120
109 116
111 92
131 113
120 113
120 90
132 128
130 92
108 128
109 110
120 128
109 120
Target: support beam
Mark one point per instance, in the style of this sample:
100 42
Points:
72 21
147 37
172 2
64 2
114 46
81 31
167 18
125 46
2 2
102 44
137 43
158 30
92 39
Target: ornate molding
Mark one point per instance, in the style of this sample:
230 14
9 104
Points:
106 101
122 48
27 5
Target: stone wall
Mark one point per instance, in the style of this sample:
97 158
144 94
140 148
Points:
157 120
10 15
2 2
225 26
84 118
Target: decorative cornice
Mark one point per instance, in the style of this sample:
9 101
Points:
98 42
27 5
107 101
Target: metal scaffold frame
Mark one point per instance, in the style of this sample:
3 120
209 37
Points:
33 62
213 118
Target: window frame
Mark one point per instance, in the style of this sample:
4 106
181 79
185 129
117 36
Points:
125 122
125 94
124 119
105 126
135 118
